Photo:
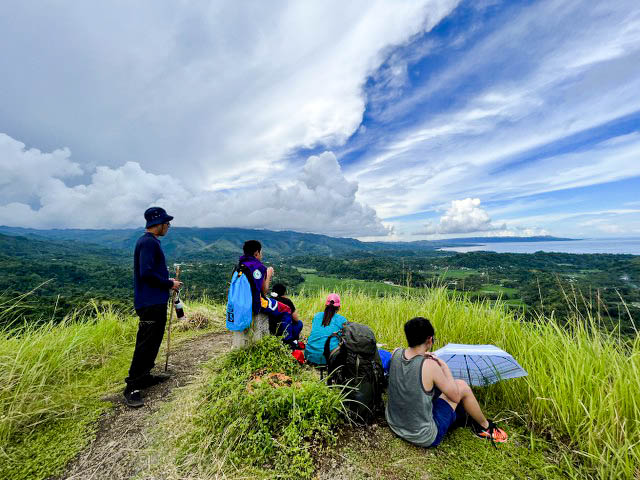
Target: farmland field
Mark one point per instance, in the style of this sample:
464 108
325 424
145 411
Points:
313 283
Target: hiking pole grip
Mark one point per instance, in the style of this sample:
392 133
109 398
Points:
172 307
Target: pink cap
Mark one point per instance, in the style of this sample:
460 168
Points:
334 299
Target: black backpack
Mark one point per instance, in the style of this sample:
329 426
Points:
355 362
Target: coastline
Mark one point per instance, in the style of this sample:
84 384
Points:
621 246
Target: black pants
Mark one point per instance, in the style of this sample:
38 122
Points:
150 332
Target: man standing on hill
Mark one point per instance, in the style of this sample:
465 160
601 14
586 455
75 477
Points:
151 287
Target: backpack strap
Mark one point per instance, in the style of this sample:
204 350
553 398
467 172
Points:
255 295
327 346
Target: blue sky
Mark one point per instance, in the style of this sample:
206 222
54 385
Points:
533 105
377 120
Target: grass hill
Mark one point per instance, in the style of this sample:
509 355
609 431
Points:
574 416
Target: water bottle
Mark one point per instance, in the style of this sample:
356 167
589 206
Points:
179 307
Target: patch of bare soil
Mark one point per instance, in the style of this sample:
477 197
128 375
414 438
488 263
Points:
120 450
332 464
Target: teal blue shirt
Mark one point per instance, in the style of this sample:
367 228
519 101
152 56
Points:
314 351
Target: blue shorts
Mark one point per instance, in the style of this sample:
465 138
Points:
444 416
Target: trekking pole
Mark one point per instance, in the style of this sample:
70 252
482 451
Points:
172 307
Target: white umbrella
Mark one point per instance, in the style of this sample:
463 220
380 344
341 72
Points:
479 365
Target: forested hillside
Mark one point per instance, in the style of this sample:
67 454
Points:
68 271
65 275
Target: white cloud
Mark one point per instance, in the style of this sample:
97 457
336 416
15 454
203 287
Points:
206 91
466 218
178 104
33 193
25 173
463 216
566 217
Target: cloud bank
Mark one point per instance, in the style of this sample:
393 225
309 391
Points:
532 107
463 216
33 193
216 88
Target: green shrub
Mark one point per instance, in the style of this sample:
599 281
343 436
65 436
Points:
256 424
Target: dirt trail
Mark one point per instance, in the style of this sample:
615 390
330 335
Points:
119 450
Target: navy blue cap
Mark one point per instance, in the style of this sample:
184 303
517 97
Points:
156 216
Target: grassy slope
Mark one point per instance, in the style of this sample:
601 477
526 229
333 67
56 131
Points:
377 453
50 392
205 436
561 425
580 397
582 385
229 425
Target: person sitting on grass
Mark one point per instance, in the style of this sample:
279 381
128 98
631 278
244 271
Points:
324 324
423 395
290 326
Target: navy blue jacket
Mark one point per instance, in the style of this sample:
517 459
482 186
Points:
151 284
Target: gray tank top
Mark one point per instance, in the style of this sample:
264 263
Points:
409 405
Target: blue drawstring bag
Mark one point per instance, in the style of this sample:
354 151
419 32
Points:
240 300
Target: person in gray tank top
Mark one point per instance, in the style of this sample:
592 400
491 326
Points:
423 395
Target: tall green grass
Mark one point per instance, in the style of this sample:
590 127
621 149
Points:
46 368
53 378
582 389
583 384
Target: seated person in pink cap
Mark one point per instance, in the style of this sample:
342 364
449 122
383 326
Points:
324 324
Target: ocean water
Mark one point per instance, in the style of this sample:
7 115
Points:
600 245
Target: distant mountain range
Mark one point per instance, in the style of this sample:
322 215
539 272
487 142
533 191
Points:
213 243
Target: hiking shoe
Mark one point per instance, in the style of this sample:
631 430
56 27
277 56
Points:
492 432
133 399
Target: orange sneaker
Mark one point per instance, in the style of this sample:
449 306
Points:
493 433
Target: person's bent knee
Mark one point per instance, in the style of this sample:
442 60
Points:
463 387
